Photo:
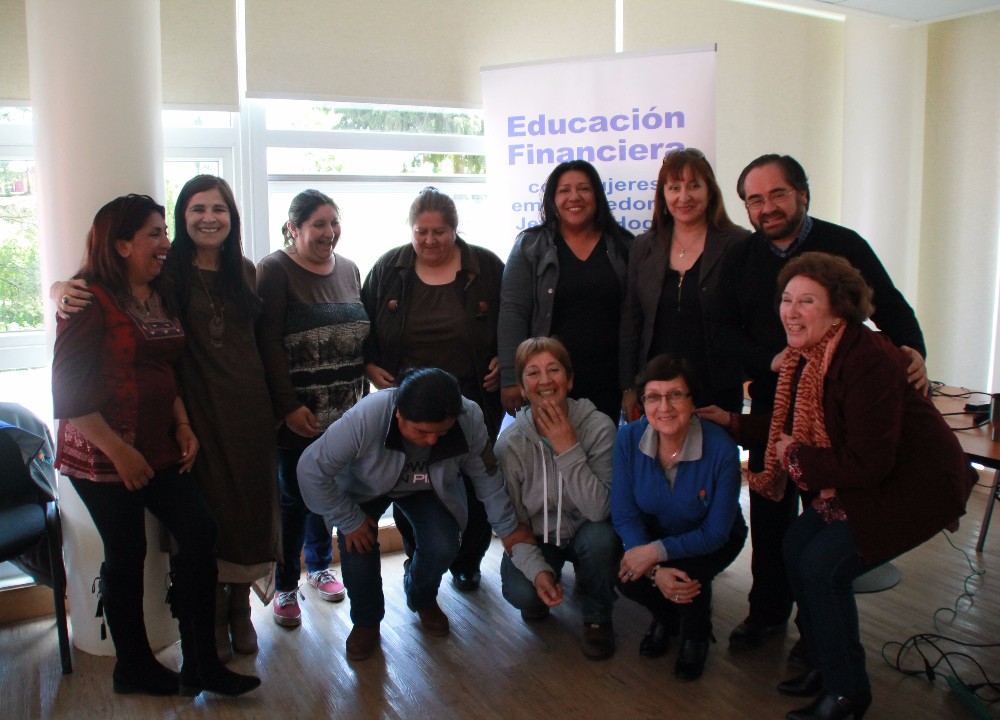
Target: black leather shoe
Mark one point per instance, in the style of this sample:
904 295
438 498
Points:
655 642
467 582
753 633
808 684
691 660
534 614
598 640
831 707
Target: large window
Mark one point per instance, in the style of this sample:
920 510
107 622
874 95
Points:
372 160
20 271
21 319
195 142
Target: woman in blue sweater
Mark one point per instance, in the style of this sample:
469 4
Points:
675 502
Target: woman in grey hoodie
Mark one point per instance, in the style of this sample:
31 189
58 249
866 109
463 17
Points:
556 462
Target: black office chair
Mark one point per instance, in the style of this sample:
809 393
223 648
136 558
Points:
30 530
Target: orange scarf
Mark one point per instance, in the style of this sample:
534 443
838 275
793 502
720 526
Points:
808 421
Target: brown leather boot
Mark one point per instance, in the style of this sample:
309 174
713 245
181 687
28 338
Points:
222 642
240 628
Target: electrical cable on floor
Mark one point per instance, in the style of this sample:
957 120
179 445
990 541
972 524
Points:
976 689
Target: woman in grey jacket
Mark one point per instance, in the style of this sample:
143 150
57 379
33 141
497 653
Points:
408 446
556 462
566 279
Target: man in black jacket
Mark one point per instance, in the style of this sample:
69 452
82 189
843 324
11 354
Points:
775 190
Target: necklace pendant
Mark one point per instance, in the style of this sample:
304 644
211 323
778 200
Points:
682 252
216 329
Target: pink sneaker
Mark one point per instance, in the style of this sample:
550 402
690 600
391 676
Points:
286 608
329 587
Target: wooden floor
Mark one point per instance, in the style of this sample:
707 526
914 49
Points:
494 666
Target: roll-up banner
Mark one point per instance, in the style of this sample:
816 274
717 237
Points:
622 113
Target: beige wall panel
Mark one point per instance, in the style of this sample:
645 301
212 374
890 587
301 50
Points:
13 52
779 85
961 199
399 51
198 40
199 52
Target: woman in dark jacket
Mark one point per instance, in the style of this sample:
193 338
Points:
673 283
884 470
434 303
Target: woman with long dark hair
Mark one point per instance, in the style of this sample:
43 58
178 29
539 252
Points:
566 279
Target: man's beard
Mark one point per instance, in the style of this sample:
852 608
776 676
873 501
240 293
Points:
787 229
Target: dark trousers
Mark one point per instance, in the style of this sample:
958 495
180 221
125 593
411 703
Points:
298 526
694 618
119 515
475 540
822 562
771 594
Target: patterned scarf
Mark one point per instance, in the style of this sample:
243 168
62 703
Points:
809 423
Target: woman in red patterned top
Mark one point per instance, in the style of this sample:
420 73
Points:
127 446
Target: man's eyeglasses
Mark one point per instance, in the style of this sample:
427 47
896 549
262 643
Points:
674 397
756 202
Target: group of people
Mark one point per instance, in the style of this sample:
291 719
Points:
622 360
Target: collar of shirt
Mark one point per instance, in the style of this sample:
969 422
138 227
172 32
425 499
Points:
807 225
649 443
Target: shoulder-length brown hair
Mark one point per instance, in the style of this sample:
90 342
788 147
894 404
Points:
673 167
119 219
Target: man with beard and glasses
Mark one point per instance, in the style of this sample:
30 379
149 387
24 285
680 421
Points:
775 190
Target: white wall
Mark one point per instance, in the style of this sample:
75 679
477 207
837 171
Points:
779 85
960 222
917 107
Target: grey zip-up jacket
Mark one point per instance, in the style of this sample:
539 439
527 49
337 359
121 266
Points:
556 494
528 290
360 456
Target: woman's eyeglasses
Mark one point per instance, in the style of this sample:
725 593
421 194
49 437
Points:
674 397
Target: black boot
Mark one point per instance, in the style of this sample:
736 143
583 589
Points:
193 599
136 669
832 707
696 631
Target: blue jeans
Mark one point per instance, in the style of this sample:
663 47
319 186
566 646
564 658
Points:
475 540
595 552
436 537
298 525
822 561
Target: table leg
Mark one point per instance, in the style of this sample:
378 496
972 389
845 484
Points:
994 497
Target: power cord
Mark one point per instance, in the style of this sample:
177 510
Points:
933 655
